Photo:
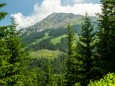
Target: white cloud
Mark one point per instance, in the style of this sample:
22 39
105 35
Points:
49 6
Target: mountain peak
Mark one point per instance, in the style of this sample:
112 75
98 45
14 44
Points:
62 16
55 20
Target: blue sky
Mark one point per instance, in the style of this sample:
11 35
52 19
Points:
24 10
15 6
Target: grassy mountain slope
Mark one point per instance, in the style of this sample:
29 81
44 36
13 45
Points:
45 54
51 32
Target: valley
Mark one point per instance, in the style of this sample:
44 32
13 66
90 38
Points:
51 32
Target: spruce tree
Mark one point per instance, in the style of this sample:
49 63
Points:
2 29
85 49
2 14
106 45
71 61
3 50
15 59
46 75
49 73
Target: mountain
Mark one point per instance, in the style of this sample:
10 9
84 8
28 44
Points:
51 32
53 21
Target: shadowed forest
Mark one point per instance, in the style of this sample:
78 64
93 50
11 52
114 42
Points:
79 54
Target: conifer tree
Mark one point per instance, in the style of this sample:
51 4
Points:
106 45
45 78
2 28
3 49
71 61
85 49
16 57
49 73
2 14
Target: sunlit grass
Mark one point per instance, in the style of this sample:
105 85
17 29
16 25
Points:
50 54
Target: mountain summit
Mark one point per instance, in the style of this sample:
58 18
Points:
54 21
51 32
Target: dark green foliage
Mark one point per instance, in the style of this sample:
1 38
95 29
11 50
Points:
61 31
85 50
2 14
28 77
57 63
46 43
49 71
57 32
30 37
45 72
54 27
48 74
3 47
78 68
106 45
14 60
71 61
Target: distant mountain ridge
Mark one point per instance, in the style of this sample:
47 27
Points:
55 20
52 30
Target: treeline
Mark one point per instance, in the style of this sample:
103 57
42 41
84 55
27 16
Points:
16 66
46 43
13 57
94 54
92 58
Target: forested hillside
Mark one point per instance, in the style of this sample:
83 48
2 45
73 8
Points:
51 32
63 49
